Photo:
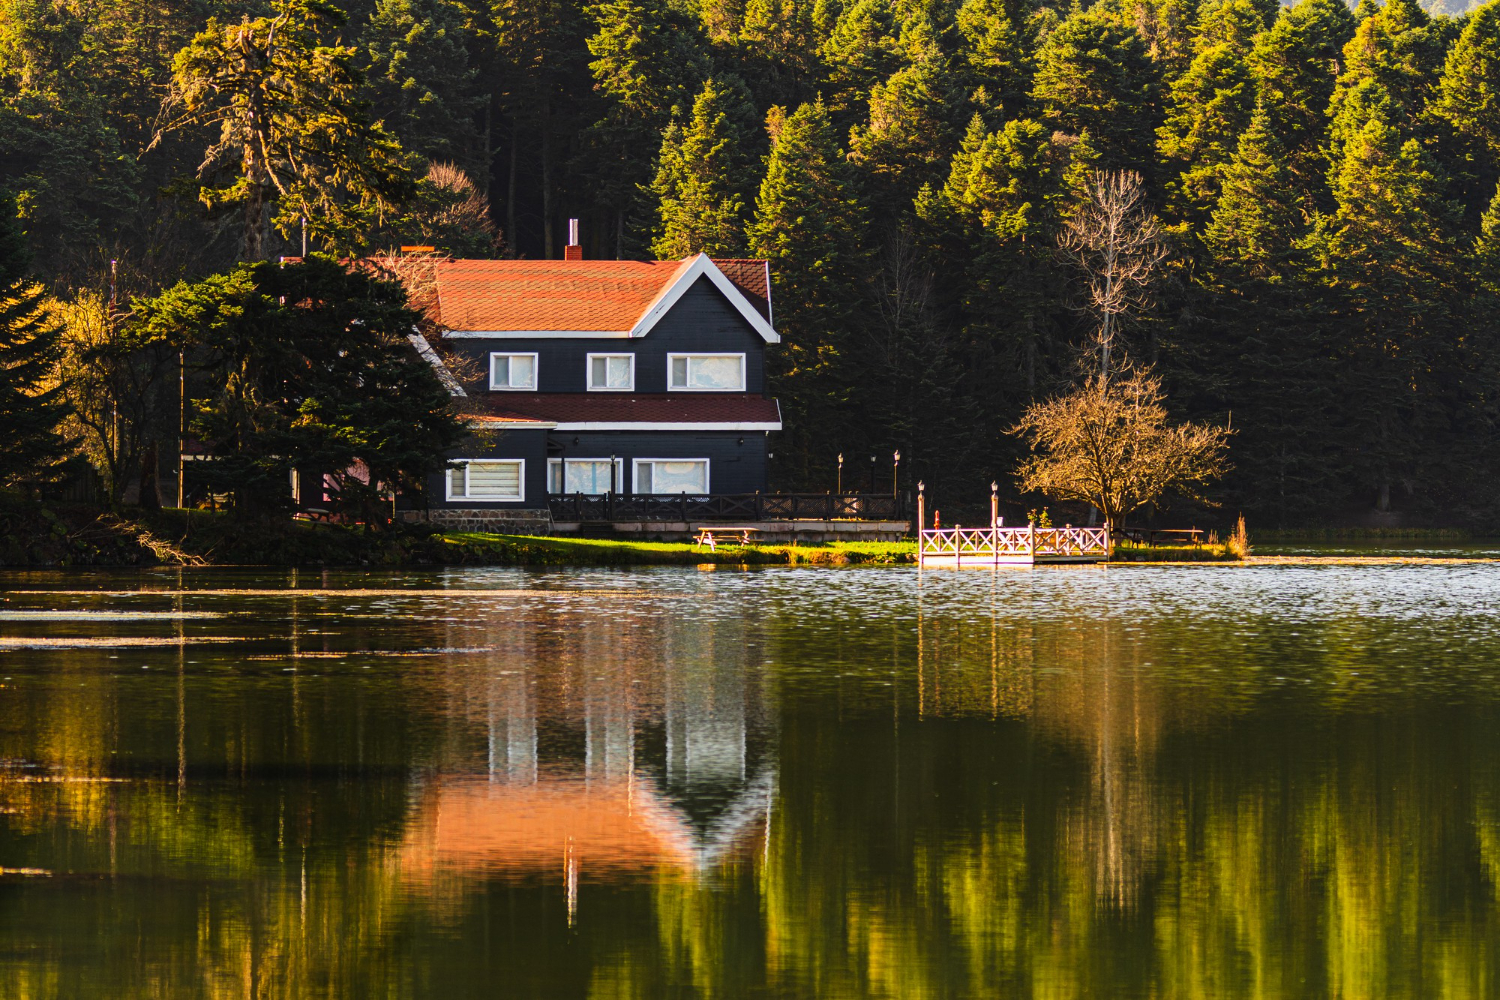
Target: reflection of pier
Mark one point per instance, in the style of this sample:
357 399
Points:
610 749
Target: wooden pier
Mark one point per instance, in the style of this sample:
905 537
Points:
960 548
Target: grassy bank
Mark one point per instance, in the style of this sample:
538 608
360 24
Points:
1130 552
33 535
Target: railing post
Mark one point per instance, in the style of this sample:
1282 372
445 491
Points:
1031 539
682 507
759 507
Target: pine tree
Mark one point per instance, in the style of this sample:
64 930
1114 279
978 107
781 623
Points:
1388 254
649 61
30 409
1469 93
1210 106
423 83
1397 54
861 51
1094 75
1487 247
810 226
1257 218
1293 63
705 175
914 125
997 55
779 49
291 123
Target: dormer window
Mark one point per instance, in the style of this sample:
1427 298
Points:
611 372
514 372
706 372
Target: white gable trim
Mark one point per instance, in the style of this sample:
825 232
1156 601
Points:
427 354
691 270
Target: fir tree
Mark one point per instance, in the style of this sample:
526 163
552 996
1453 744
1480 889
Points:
810 225
1388 254
1257 218
1094 75
1469 93
861 51
30 408
912 131
1210 106
1396 54
705 175
422 79
291 121
996 53
650 63
1487 247
1293 63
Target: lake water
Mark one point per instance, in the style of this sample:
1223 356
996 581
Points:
1171 782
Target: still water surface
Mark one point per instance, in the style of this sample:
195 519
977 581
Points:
1277 781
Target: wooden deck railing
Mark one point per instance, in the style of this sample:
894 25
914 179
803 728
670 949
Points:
977 546
728 507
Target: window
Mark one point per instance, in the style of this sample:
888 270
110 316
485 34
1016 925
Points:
611 372
671 475
706 372
584 475
485 479
512 371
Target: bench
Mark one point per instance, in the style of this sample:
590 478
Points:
713 536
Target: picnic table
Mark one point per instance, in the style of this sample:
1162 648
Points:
713 536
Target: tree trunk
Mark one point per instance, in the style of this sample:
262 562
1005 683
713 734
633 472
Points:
150 477
549 241
510 188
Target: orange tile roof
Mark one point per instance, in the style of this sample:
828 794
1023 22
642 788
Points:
587 295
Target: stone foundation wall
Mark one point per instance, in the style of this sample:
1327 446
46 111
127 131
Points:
517 521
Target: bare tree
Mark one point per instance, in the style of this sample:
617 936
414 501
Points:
1109 444
1116 242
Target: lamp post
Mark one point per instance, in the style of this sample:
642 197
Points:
840 489
872 473
994 505
896 474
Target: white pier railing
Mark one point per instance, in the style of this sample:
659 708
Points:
997 546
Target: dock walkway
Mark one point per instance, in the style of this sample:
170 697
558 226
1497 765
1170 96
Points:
960 547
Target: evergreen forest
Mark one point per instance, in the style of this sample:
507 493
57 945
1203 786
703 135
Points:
1309 198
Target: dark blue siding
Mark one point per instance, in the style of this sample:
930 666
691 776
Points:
732 467
701 321
528 445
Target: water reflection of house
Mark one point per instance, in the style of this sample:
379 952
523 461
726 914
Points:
610 747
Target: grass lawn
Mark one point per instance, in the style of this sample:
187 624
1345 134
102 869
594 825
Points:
525 550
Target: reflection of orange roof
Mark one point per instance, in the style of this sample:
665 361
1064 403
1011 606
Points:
606 827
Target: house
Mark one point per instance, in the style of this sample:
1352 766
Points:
600 377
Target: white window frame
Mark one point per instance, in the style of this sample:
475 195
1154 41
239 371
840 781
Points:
536 371
744 380
556 463
588 372
466 462
635 473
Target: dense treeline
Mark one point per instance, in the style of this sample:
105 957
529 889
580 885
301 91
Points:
1319 188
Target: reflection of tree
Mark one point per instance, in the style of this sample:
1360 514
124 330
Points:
1074 804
